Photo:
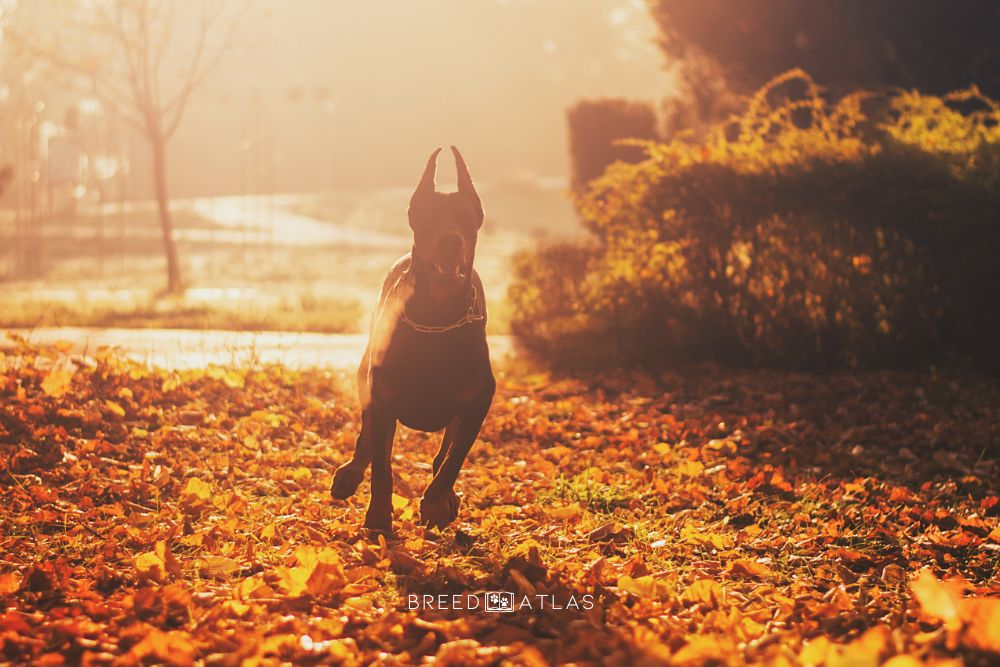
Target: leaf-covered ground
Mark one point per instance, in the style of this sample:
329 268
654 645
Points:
708 517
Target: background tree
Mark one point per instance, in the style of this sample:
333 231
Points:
595 125
929 45
144 58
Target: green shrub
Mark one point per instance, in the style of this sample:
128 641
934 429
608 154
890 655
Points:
802 233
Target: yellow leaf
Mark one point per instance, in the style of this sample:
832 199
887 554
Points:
690 468
815 651
169 562
196 493
865 651
170 383
399 502
694 534
327 575
293 579
643 587
9 582
252 587
751 628
114 408
150 566
229 377
903 661
219 567
271 419
236 609
359 603
725 445
57 382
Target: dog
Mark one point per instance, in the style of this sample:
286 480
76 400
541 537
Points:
427 363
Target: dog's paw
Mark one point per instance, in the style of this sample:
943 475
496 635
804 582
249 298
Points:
346 481
438 512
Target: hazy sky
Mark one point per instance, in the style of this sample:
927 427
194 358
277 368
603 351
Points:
342 93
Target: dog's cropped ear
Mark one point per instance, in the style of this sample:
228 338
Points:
465 185
425 187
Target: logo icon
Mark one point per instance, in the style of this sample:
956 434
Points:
499 601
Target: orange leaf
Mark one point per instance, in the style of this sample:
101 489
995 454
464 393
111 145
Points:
749 569
939 599
702 649
319 572
173 648
982 630
642 587
196 493
704 590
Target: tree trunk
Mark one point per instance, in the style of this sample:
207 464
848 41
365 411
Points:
159 146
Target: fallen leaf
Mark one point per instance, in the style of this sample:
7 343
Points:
58 382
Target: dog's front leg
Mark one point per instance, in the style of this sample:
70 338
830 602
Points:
439 505
383 430
347 477
446 442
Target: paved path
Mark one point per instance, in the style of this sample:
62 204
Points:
185 348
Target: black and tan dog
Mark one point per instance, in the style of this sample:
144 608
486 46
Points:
427 364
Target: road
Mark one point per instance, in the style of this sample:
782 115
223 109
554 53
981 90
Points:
186 348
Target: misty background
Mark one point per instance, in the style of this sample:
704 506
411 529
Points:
343 95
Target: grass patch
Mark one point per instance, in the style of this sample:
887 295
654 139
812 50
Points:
590 493
304 313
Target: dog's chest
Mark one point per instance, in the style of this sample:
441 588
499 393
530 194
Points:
432 372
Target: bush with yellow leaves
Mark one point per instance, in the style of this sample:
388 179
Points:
804 232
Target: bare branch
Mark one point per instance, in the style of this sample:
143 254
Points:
143 31
150 81
160 48
201 68
124 107
115 26
102 87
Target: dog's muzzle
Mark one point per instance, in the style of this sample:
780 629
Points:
448 272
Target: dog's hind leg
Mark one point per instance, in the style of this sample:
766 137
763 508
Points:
347 477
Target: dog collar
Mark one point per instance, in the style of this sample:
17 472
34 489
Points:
470 316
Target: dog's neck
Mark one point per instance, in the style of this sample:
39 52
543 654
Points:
425 307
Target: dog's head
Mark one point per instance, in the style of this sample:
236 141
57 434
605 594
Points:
445 227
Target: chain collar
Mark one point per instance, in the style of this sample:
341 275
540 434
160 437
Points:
470 316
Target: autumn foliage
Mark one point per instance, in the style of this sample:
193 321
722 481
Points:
805 233
151 516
